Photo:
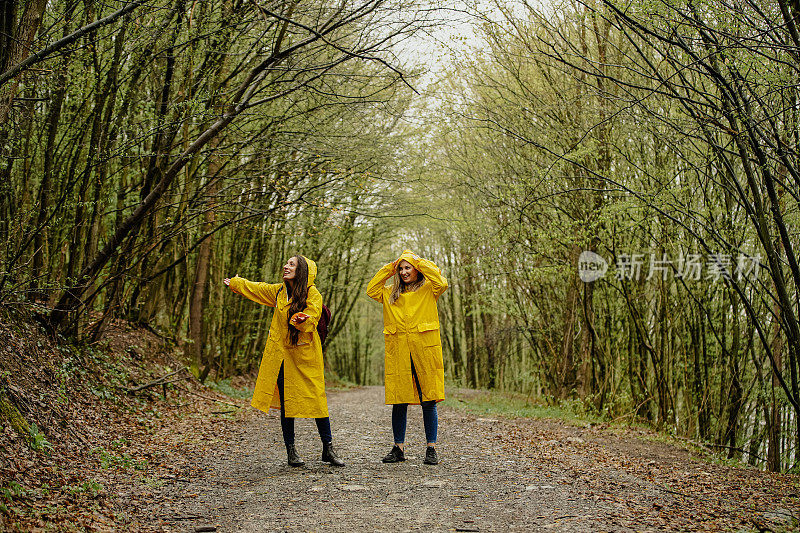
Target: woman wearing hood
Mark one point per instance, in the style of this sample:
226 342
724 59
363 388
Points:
414 371
291 376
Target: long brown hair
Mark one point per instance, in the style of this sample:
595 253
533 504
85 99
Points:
399 286
297 291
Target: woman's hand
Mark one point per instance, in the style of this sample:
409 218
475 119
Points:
298 318
227 281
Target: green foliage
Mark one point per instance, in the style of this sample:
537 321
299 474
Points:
13 490
517 406
224 386
794 469
38 440
152 482
335 382
112 459
89 487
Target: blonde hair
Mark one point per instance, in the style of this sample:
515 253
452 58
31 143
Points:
399 286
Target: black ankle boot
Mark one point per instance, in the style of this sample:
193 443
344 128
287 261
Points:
292 457
395 456
329 455
431 457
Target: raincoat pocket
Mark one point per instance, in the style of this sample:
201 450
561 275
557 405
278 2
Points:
429 333
308 361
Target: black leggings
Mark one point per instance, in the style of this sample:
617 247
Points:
287 424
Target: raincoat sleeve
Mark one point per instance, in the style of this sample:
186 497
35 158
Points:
313 310
375 286
263 293
432 274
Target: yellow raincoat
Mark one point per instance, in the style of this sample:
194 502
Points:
411 332
303 375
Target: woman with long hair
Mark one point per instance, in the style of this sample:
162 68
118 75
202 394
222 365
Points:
291 376
414 370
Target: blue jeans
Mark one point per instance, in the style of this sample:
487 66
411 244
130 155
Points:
430 417
287 424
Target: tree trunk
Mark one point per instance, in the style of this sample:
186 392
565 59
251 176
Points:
774 419
16 40
566 366
467 303
40 252
194 348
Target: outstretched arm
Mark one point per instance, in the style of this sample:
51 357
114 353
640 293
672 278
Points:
263 293
375 286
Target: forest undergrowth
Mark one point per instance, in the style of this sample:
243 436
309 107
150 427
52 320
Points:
91 416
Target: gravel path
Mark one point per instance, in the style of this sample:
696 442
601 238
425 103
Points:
494 475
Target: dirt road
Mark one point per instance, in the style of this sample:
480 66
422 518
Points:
495 475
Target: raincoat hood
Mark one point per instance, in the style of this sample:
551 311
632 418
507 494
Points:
312 270
409 256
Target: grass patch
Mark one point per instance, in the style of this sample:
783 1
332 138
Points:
225 387
512 405
334 382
